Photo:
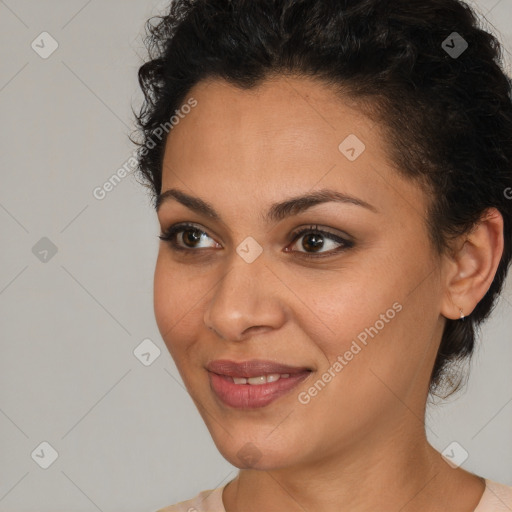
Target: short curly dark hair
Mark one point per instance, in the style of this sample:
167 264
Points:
447 117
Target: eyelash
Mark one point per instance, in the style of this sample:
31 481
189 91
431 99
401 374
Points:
170 236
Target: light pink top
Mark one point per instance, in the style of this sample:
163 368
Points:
496 498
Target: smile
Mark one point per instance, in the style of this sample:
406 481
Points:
253 384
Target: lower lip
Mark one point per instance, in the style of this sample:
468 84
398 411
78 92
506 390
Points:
248 396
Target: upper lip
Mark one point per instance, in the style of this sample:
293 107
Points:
252 368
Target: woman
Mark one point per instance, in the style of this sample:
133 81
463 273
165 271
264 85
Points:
332 180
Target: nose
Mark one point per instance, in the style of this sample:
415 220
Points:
245 301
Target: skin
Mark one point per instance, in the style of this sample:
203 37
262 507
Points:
360 443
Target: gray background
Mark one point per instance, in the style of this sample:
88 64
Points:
128 436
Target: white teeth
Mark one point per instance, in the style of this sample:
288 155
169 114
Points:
262 379
256 381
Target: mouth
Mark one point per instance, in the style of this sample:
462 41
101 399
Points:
255 383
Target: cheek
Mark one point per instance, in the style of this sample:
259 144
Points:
351 302
163 298
365 331
384 340
369 317
174 303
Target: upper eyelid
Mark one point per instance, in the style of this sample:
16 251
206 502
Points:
296 233
182 226
310 227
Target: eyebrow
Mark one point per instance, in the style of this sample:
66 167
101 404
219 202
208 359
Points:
276 212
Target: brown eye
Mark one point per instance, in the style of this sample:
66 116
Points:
190 237
313 243
314 240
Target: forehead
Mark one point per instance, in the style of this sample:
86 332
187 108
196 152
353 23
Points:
285 135
282 111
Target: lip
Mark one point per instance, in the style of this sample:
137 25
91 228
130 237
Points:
247 396
252 368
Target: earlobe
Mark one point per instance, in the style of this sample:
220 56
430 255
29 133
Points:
473 265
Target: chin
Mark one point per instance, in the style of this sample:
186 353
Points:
256 452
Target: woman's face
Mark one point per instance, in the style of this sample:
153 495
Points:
355 310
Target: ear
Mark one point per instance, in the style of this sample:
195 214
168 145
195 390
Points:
470 269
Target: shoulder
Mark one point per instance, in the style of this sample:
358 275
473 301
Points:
206 501
497 497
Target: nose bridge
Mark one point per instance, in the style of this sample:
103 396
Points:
242 299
